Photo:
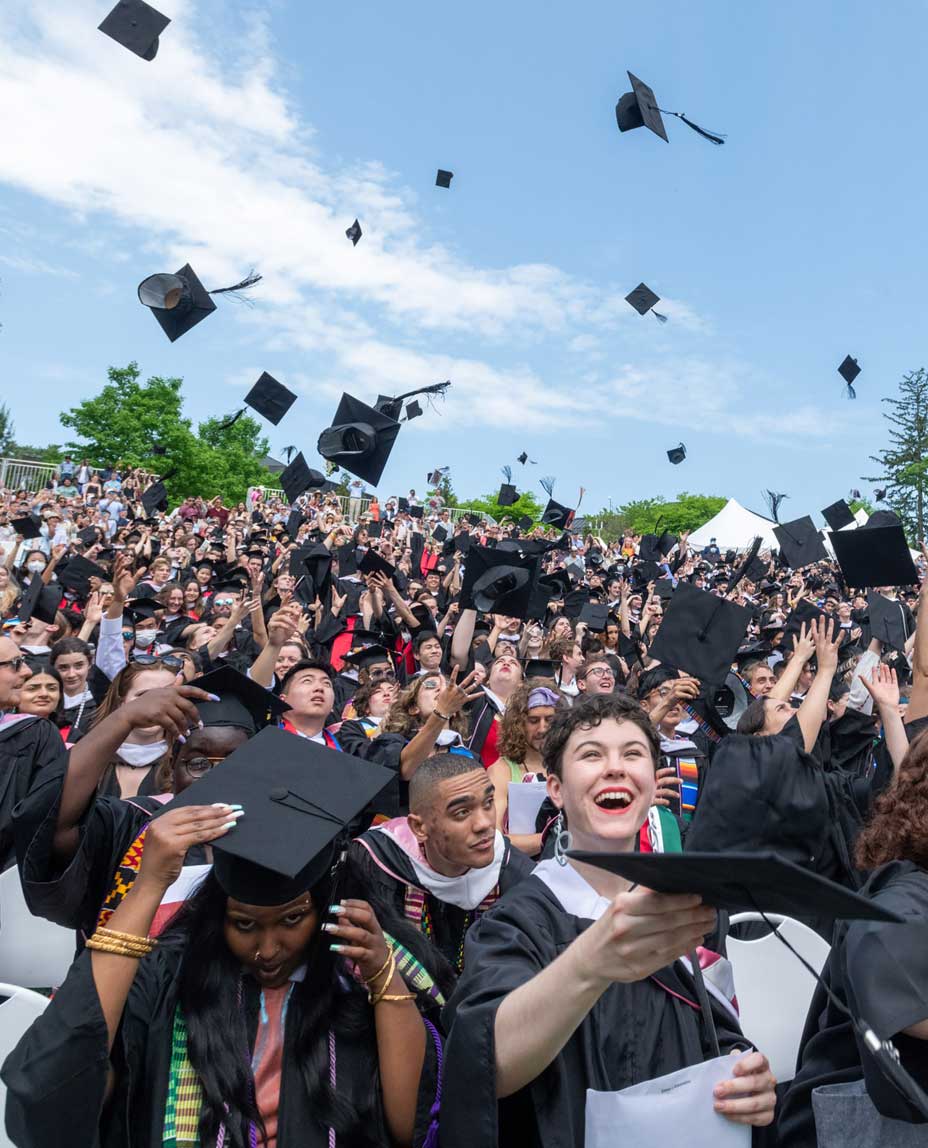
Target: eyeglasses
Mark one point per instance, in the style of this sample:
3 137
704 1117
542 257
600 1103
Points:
201 765
15 664
600 672
431 684
383 675
168 661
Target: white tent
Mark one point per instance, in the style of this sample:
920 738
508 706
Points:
734 528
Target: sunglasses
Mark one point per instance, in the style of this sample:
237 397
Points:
15 664
168 661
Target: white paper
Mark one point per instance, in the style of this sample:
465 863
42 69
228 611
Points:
673 1109
525 798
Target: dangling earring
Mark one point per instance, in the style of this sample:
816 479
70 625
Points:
561 840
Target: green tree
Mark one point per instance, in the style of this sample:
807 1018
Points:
527 505
7 430
646 515
904 463
129 418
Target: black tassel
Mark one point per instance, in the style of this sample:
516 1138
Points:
710 136
507 473
232 421
250 280
851 393
289 452
547 485
660 318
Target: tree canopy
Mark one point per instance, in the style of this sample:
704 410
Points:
904 463
129 418
644 515
527 505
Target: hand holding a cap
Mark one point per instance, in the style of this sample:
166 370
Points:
358 937
170 707
170 836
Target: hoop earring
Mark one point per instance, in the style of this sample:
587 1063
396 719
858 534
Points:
562 840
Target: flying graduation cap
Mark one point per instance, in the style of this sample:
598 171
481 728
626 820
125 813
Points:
773 501
443 178
354 233
838 515
436 475
677 454
137 26
180 301
638 108
269 398
413 410
643 300
392 407
359 440
849 370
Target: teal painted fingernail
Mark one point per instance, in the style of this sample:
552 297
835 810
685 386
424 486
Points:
336 948
229 825
236 805
336 909
215 698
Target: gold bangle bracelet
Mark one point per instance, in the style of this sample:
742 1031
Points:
128 938
99 942
396 997
115 949
377 997
375 977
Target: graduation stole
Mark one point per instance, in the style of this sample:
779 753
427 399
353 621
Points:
126 873
326 736
416 911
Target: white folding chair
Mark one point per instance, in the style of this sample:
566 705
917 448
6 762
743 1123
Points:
16 1015
34 953
774 990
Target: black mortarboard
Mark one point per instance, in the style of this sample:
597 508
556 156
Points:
242 702
155 498
664 588
270 398
473 519
295 478
498 582
138 608
374 529
294 522
444 178
26 527
137 26
838 514
523 458
677 454
435 477
739 882
88 535
800 542
539 668
874 557
360 439
849 370
317 564
643 300
700 633
178 301
374 563
159 449
638 108
508 495
368 656
440 533
354 233
39 601
78 571
299 798
347 559
524 523
649 548
413 410
887 621
415 512
596 615
882 518
463 542
556 515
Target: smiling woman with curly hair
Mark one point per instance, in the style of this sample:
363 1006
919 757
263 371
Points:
878 970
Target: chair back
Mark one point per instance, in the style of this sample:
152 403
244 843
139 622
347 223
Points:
17 1013
34 953
774 991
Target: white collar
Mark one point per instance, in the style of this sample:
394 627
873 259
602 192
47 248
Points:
72 700
497 701
575 894
465 891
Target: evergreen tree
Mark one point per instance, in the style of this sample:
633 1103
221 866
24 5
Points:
904 463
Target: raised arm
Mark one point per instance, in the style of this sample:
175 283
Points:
803 649
918 695
814 708
883 687
462 637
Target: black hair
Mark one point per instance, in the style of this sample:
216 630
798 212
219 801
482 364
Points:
754 718
654 678
70 646
423 636
307 664
589 711
439 767
210 991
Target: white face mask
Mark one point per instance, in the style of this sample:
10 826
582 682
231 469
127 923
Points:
144 639
35 567
139 756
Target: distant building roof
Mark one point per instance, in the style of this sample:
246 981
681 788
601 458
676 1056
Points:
273 465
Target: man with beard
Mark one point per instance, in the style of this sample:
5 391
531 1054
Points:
446 863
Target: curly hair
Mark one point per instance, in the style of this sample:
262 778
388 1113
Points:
512 741
591 711
402 720
898 827
562 647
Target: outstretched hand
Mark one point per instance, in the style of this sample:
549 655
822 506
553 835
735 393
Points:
883 686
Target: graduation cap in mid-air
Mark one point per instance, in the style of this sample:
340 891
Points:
800 542
155 498
874 556
300 797
26 527
555 514
297 477
838 514
180 301
849 370
700 633
270 398
360 439
498 582
643 300
443 178
354 233
638 108
413 410
39 601
137 26
523 458
677 454
508 495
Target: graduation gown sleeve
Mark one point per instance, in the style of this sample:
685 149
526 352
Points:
29 750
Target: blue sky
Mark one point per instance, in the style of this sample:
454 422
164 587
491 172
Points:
261 130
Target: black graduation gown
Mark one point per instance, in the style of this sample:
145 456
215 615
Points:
449 922
30 748
880 972
634 1032
56 1075
385 750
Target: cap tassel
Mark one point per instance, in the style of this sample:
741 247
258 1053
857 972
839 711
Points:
232 421
851 393
250 280
710 136
288 452
658 316
547 485
507 473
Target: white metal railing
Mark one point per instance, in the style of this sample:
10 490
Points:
343 502
21 474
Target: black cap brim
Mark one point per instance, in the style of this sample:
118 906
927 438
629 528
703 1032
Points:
175 322
335 443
